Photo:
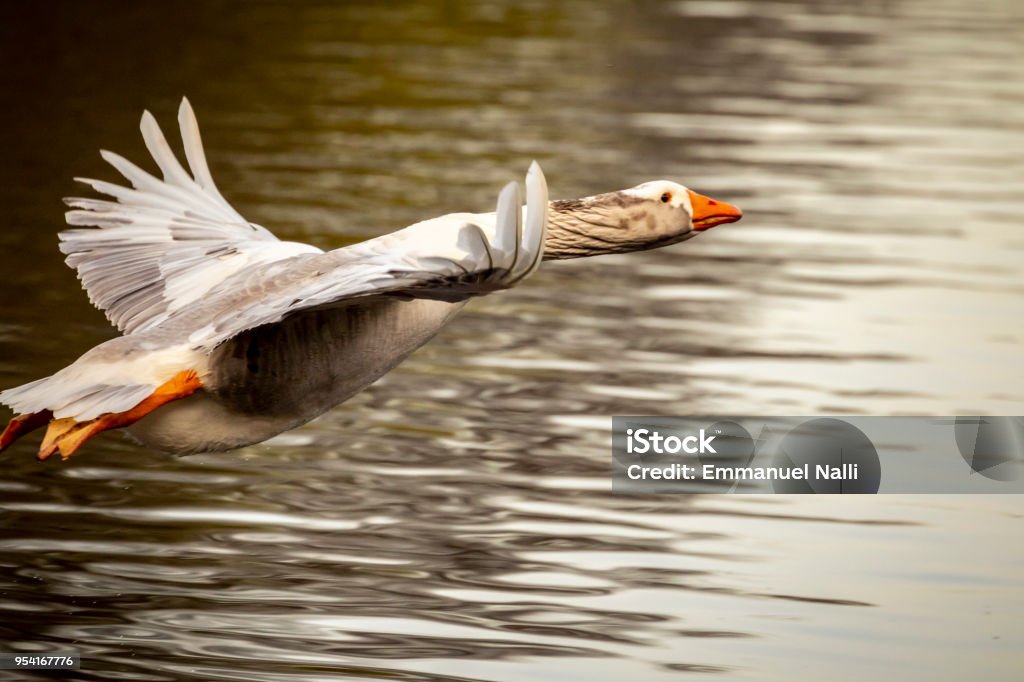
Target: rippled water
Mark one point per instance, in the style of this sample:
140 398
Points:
455 520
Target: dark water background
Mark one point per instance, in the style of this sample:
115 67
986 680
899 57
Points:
455 520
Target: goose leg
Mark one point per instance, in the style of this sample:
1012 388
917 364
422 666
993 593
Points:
22 424
68 438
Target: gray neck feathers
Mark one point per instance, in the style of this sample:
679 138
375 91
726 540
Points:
592 226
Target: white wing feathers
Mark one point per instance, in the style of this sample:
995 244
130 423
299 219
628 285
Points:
162 244
449 258
167 245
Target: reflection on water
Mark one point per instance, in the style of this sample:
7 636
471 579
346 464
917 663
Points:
455 520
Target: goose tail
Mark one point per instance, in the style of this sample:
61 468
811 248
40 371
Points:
109 387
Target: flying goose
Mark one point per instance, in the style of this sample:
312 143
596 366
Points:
231 336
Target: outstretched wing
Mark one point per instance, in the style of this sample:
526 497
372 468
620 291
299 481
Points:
163 243
450 258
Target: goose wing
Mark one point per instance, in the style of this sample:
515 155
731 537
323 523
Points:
162 243
450 258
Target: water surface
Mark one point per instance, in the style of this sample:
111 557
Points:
455 520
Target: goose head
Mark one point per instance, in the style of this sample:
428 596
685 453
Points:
647 216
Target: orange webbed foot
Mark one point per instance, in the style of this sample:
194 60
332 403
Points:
56 429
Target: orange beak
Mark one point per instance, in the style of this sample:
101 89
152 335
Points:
707 212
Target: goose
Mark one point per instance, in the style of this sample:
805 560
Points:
231 336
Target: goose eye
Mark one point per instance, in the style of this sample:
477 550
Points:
666 197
